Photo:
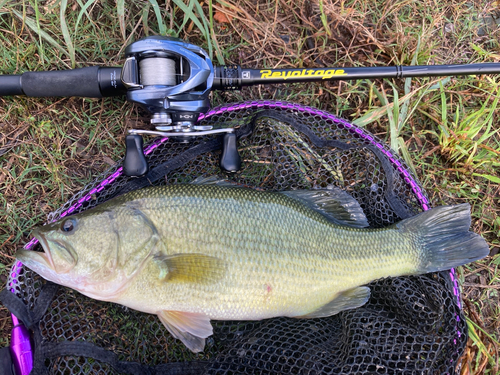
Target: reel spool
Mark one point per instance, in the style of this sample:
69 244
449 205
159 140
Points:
158 71
172 80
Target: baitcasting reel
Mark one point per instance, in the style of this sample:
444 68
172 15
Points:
172 80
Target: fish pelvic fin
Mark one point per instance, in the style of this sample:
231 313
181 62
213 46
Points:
346 300
190 268
335 204
443 238
191 328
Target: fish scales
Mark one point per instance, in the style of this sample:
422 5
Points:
200 252
278 252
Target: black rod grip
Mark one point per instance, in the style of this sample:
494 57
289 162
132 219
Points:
10 85
90 82
76 82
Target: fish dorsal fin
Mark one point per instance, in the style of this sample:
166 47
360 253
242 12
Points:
191 328
346 300
335 204
191 268
214 180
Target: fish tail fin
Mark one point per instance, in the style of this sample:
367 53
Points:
443 235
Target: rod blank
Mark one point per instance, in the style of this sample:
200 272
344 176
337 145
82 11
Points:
250 77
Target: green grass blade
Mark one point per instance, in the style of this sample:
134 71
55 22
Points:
184 22
390 115
120 10
145 13
65 32
489 119
404 108
37 18
220 56
161 25
372 115
376 113
394 120
477 340
82 12
211 18
444 113
205 30
489 177
32 25
438 85
207 34
188 14
324 19
406 155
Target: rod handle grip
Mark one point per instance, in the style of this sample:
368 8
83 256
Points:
90 82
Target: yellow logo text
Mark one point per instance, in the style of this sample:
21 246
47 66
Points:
302 73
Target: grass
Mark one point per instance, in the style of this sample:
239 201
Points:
445 128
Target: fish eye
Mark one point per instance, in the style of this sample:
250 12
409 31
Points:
68 225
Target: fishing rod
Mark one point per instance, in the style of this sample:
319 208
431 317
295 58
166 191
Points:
172 80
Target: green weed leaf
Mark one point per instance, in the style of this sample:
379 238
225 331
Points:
494 179
120 10
161 25
65 32
82 11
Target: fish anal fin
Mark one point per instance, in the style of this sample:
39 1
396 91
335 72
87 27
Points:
346 300
191 328
191 268
335 204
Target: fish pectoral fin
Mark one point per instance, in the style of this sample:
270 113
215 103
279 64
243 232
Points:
190 328
335 204
193 268
349 299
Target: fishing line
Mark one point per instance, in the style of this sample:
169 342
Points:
157 71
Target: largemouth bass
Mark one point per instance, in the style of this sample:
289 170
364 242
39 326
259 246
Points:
200 252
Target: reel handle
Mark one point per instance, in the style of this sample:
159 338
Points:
135 163
230 160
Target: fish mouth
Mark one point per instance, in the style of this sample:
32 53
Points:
29 257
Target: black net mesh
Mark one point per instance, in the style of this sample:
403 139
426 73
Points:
411 325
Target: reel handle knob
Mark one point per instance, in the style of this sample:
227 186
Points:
134 164
230 160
